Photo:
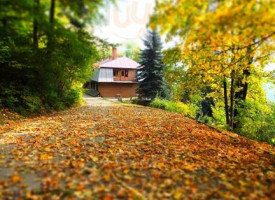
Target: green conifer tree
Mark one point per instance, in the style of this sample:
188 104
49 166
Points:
151 73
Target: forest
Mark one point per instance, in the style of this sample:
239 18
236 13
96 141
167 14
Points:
46 52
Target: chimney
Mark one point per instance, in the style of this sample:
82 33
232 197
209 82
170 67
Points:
114 53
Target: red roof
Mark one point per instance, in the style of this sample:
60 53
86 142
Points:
122 62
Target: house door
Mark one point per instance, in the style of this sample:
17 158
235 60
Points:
94 85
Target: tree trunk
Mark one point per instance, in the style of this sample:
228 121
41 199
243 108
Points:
246 73
226 101
50 34
5 22
35 24
240 96
245 87
232 91
52 12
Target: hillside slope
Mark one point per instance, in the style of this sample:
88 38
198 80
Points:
124 152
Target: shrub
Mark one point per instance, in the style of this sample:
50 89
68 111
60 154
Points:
175 106
73 97
32 103
135 100
257 121
219 119
20 99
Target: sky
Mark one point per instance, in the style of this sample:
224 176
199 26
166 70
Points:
126 21
270 67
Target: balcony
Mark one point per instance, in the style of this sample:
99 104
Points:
121 75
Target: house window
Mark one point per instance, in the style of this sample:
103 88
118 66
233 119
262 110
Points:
115 72
122 73
126 73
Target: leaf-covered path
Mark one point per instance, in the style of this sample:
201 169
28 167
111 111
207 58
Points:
112 151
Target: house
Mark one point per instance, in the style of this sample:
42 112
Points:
115 77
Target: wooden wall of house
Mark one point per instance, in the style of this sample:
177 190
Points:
118 75
125 90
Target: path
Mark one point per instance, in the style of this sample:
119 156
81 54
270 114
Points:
106 150
98 101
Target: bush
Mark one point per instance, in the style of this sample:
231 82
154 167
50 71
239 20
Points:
64 99
135 100
73 97
20 99
219 119
25 100
257 121
175 106
32 103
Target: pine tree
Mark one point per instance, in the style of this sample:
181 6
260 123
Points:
151 73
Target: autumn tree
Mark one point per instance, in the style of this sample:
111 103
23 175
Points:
151 73
225 43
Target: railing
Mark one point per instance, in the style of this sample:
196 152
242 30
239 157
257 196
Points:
118 78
